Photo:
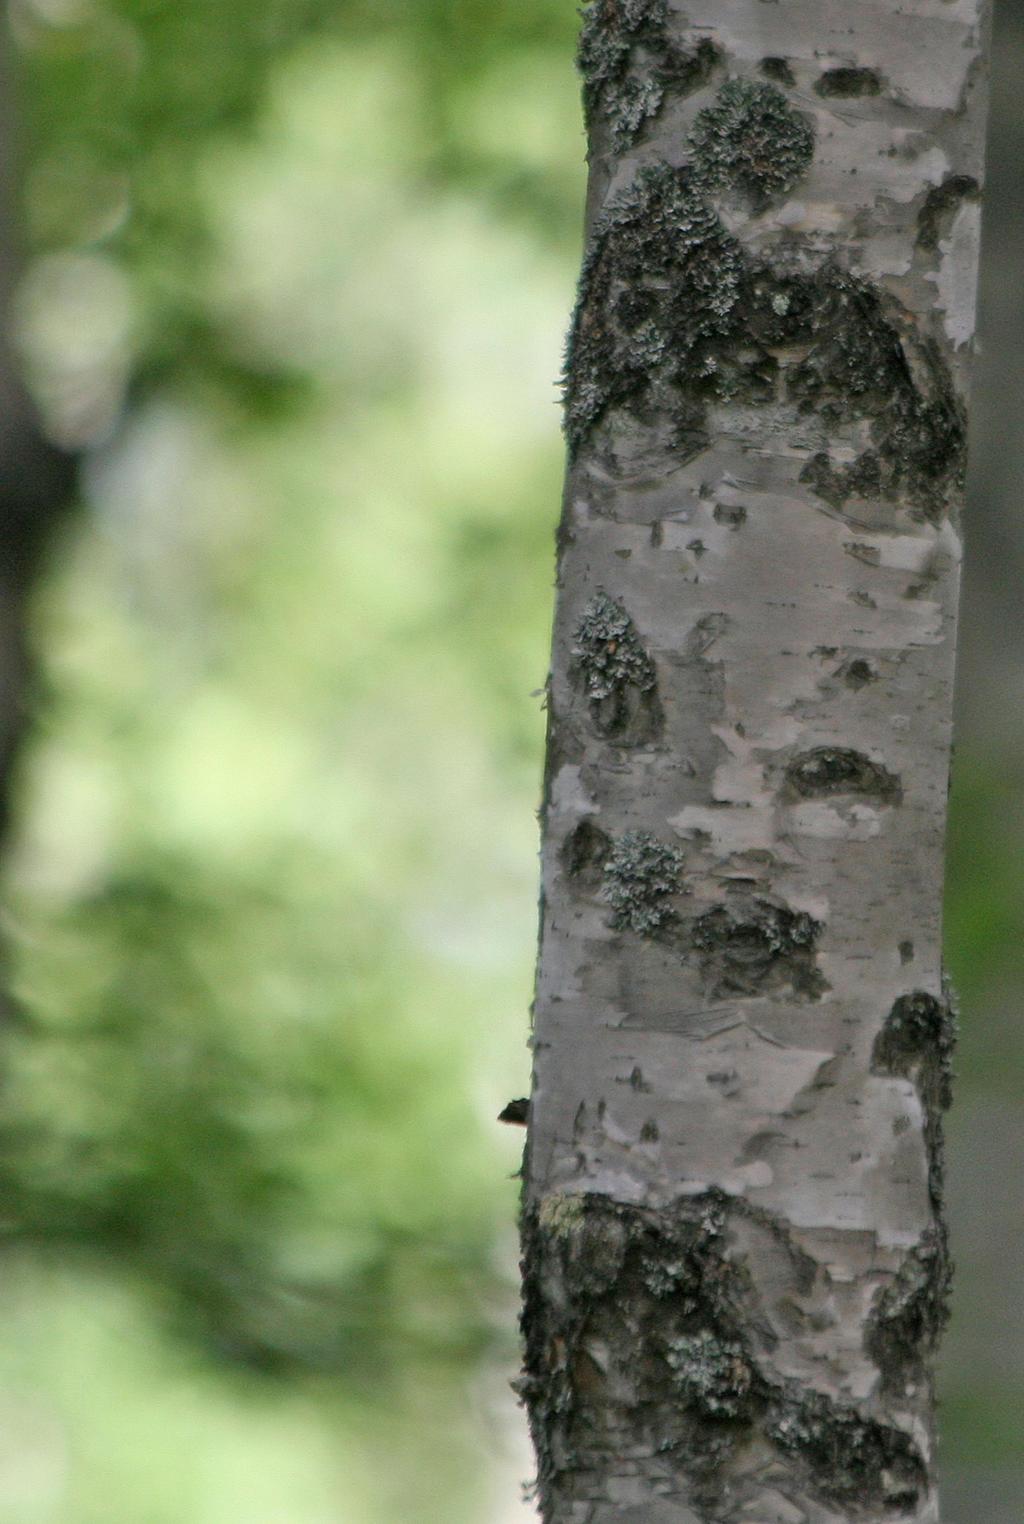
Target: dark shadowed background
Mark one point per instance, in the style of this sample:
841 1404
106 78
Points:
294 284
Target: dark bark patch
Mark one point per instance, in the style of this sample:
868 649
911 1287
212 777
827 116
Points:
917 1043
583 856
911 1312
641 877
866 361
733 516
940 205
657 1298
672 315
630 62
828 771
750 946
852 1460
643 1335
849 82
616 672
857 673
778 71
751 140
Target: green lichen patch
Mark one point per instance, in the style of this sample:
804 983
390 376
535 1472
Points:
826 772
911 1312
751 140
750 946
940 206
852 1460
616 672
848 81
641 876
630 62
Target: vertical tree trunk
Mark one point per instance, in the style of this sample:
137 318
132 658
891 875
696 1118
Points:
735 1261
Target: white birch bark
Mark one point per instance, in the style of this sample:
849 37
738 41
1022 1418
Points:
735 1262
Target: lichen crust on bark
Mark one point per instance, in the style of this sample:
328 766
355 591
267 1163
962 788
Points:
735 1265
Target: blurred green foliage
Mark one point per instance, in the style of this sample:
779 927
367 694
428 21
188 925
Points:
298 274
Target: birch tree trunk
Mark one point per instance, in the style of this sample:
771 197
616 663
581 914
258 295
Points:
734 1254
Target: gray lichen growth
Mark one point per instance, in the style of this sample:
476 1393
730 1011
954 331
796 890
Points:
910 1313
751 945
608 650
641 875
630 61
828 771
713 1374
659 290
750 139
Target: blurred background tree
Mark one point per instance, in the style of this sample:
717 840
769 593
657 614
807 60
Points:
296 280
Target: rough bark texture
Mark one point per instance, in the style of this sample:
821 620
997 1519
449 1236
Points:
735 1262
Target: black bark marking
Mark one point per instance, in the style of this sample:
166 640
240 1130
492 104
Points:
583 856
857 673
617 674
917 1043
750 945
516 1113
852 1460
867 361
849 82
911 1312
778 71
827 771
733 516
641 876
940 205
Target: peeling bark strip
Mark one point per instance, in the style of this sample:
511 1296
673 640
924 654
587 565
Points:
735 1264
